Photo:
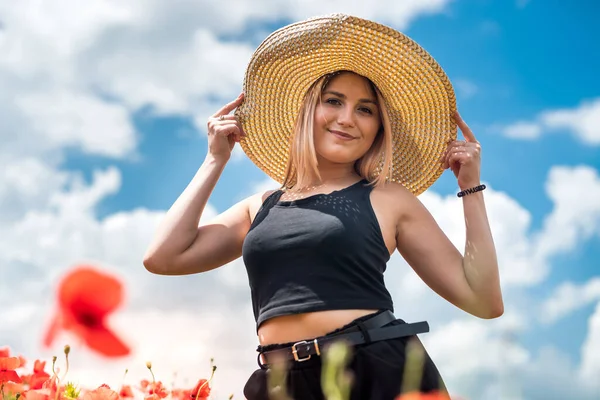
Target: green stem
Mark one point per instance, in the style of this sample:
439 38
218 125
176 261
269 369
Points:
55 376
413 368
214 368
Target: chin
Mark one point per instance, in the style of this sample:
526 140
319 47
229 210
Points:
339 156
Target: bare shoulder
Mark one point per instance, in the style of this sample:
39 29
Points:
400 205
395 198
391 202
256 201
393 189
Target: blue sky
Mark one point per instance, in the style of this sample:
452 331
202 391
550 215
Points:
517 66
521 61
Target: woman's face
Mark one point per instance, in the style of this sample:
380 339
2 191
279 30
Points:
346 119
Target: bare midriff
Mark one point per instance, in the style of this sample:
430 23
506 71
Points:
293 328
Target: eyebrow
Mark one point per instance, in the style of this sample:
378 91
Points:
343 96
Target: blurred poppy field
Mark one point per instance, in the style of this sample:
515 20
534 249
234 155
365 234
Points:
85 298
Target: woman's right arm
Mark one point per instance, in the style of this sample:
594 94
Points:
180 246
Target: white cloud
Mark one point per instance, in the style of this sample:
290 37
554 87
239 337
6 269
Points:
569 297
25 184
80 120
475 356
582 121
575 193
484 360
523 256
194 312
173 77
523 130
552 375
169 58
590 351
510 224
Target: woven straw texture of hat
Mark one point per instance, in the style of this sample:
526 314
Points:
418 94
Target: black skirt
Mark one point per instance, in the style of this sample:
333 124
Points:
377 368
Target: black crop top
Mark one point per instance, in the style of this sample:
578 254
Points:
323 252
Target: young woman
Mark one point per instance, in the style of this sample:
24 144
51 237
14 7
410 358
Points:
316 249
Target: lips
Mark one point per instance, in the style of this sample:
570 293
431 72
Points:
341 135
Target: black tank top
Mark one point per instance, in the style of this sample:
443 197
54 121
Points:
323 252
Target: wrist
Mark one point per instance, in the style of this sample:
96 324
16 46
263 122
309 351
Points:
215 161
471 190
468 185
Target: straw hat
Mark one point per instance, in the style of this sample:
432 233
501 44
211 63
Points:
418 94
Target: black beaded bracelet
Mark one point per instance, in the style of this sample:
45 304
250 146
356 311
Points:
471 190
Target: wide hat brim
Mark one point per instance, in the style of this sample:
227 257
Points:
419 96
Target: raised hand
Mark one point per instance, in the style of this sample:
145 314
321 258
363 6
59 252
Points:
463 157
224 130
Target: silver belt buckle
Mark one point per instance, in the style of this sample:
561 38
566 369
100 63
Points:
295 350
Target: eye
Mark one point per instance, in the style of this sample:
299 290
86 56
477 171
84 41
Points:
365 110
333 101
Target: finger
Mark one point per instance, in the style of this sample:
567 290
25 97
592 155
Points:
229 107
464 128
225 118
222 119
455 160
227 130
217 125
452 144
456 143
454 155
239 129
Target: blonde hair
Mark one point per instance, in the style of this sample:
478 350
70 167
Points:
375 165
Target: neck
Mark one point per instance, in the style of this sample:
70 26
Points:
335 173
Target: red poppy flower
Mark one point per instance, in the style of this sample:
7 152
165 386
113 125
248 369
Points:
153 388
12 389
204 392
86 297
39 394
7 369
181 394
39 376
104 392
424 396
51 385
126 392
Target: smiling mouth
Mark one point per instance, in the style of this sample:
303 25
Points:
341 135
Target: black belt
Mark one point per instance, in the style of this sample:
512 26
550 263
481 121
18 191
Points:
363 332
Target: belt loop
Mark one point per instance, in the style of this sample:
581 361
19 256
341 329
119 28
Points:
259 360
364 331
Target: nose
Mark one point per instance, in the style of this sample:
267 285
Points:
345 116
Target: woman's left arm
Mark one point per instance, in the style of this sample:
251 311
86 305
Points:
480 262
470 281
